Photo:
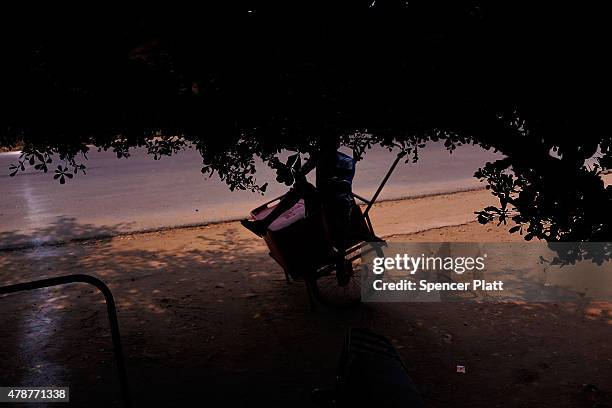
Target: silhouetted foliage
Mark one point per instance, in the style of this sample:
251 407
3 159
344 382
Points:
253 78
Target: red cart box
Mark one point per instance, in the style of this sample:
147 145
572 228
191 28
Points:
299 243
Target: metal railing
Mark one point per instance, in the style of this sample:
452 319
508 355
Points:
110 308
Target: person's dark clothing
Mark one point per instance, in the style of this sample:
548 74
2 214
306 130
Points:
335 172
335 175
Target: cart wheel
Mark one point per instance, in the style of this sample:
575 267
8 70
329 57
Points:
340 289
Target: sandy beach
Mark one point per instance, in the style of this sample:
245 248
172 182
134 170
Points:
197 304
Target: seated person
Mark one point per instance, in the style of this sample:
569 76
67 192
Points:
335 175
335 172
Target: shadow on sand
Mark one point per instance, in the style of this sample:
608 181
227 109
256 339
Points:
208 316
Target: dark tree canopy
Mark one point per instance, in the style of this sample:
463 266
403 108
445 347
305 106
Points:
251 78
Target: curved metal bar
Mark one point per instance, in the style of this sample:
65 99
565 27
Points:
110 307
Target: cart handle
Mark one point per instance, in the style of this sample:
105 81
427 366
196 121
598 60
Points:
266 204
357 196
370 203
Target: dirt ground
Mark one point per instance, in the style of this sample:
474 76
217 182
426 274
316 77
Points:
206 314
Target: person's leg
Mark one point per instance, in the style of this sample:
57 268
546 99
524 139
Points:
339 220
338 215
312 199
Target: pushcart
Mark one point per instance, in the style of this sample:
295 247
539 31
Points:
302 246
